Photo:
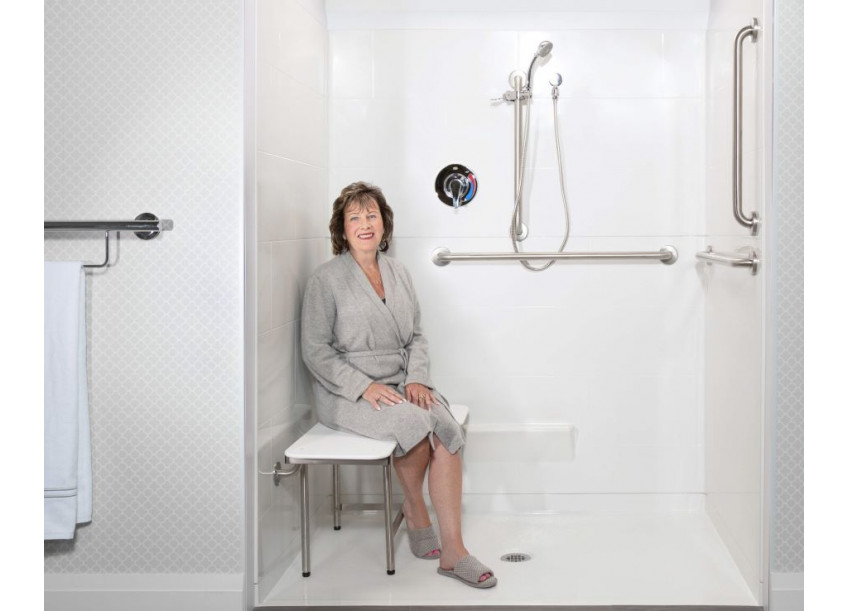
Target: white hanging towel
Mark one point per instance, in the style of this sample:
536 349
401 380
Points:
67 438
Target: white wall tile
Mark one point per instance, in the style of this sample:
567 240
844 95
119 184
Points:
303 52
286 267
719 64
598 63
353 65
303 394
290 120
645 409
354 132
293 264
733 302
275 379
265 459
631 167
733 14
292 212
268 32
490 16
264 289
291 39
683 64
516 399
291 199
275 525
432 64
316 9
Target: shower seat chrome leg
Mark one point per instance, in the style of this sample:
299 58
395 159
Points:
387 511
337 504
304 519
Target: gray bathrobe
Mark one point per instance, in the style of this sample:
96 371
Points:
350 338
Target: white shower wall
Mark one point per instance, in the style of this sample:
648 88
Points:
734 312
291 234
614 349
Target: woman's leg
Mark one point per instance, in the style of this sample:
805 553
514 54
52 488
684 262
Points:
411 469
445 484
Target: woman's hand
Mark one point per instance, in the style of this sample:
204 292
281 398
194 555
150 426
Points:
380 392
420 395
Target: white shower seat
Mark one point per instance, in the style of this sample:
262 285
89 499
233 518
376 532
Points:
322 445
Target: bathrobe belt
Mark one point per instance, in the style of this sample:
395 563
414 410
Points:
405 356
387 352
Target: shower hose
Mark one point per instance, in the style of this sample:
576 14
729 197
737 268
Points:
515 219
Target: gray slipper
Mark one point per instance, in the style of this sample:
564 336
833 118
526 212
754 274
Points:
422 541
469 570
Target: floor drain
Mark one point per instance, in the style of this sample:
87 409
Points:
515 557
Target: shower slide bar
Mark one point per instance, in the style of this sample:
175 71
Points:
443 256
146 226
747 257
751 221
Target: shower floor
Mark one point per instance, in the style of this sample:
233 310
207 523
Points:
578 558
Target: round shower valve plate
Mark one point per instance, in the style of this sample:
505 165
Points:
456 185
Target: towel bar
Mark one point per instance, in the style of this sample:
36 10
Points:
146 226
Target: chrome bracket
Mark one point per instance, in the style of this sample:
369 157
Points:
279 473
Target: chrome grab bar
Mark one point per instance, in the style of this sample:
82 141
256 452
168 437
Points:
443 256
746 257
752 221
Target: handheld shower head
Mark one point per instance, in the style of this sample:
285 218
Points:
543 51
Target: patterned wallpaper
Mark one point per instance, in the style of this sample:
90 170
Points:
788 540
143 113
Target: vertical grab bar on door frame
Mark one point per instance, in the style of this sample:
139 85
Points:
752 221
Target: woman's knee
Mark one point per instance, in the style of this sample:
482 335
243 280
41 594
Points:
439 448
416 452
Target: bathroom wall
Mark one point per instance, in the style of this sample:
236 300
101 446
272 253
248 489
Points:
734 357
142 112
614 349
787 385
292 213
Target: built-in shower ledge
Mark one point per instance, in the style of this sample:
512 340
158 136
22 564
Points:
547 503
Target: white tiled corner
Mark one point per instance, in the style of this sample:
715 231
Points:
275 372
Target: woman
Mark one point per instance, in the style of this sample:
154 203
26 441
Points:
362 341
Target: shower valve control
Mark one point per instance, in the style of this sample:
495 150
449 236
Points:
456 185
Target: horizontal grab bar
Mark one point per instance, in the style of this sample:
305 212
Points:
749 258
443 256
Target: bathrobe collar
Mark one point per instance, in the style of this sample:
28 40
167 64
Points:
389 281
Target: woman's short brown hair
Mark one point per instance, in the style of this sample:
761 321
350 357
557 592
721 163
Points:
360 194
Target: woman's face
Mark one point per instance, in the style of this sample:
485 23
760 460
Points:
363 227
